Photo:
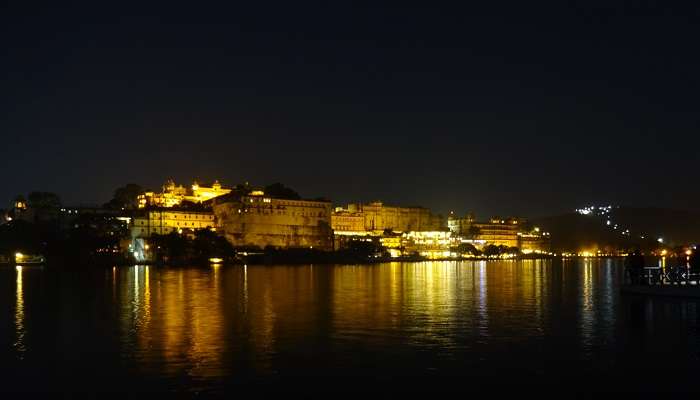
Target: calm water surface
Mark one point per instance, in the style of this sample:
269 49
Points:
205 329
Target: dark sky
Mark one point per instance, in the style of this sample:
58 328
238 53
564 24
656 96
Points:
504 108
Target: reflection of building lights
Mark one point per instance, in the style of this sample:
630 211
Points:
19 311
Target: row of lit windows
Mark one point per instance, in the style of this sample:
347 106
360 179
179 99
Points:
184 216
348 219
286 202
172 223
344 228
265 211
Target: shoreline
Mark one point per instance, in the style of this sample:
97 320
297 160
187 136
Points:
267 261
281 258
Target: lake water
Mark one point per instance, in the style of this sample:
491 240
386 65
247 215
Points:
205 330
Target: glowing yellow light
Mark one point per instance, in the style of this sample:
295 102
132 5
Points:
146 247
688 252
663 252
19 256
216 260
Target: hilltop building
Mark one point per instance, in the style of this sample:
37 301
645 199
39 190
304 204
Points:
173 195
261 221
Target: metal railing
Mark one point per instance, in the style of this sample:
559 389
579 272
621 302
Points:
674 275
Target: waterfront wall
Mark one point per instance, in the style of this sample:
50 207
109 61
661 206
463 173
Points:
264 221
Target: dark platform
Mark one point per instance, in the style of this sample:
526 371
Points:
663 290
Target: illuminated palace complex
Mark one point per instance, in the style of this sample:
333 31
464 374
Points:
245 220
173 195
252 218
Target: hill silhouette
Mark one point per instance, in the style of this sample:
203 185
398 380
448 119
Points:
635 227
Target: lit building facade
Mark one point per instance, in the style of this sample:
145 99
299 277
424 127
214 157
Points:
345 222
534 241
498 232
173 195
163 222
261 221
379 217
430 244
460 225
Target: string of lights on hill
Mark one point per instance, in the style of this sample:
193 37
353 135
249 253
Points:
605 215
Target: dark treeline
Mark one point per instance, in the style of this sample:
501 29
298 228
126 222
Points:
87 240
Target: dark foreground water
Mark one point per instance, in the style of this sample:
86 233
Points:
546 324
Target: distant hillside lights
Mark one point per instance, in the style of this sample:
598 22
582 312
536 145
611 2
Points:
595 210
173 195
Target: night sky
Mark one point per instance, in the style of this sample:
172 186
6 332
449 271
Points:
508 109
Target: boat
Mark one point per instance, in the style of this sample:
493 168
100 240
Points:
29 259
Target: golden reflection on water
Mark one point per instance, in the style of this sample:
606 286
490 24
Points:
20 330
173 320
209 322
587 308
